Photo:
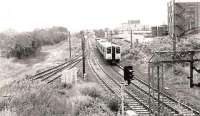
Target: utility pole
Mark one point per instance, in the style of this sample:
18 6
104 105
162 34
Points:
131 38
191 69
70 50
197 14
158 87
106 34
83 52
131 34
111 36
174 29
173 34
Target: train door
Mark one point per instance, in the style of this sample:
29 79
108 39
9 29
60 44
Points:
113 52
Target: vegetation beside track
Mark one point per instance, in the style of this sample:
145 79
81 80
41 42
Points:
29 98
25 44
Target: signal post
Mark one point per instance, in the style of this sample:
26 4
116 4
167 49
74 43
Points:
122 97
128 76
83 51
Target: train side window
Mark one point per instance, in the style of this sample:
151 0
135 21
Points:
118 50
108 50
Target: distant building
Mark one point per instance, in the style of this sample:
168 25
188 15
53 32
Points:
154 31
135 26
161 30
183 17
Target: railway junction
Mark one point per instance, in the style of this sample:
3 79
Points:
150 96
145 95
133 70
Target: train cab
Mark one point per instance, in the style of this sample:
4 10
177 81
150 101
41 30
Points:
116 53
111 52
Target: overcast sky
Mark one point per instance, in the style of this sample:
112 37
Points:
25 15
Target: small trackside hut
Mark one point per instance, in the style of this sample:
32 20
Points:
111 52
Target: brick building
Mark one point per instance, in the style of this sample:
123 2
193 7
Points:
183 17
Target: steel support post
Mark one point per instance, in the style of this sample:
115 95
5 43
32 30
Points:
122 98
174 35
153 86
83 52
162 81
70 50
111 36
158 87
149 82
191 69
131 38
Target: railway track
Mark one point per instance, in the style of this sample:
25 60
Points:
170 103
107 81
51 74
141 90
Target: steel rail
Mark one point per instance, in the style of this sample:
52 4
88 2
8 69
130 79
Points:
164 94
53 68
117 84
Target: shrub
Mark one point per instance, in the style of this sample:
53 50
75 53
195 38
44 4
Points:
90 89
113 104
99 33
79 102
50 36
92 107
22 45
39 99
66 85
4 103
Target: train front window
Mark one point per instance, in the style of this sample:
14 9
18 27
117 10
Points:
109 50
118 50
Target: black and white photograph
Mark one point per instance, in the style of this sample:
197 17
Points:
99 57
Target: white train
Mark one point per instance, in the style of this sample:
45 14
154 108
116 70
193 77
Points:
111 52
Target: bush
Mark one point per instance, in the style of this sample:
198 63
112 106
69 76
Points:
50 36
90 89
39 99
66 85
19 45
113 104
86 106
22 45
99 33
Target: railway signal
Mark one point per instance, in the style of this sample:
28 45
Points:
128 74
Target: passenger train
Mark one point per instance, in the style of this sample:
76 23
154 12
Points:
111 52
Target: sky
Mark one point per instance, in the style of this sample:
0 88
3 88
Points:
26 15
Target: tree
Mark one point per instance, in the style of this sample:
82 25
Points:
99 33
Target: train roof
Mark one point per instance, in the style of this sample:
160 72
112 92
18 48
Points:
131 113
106 43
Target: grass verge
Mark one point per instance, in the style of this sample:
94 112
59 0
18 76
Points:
38 99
